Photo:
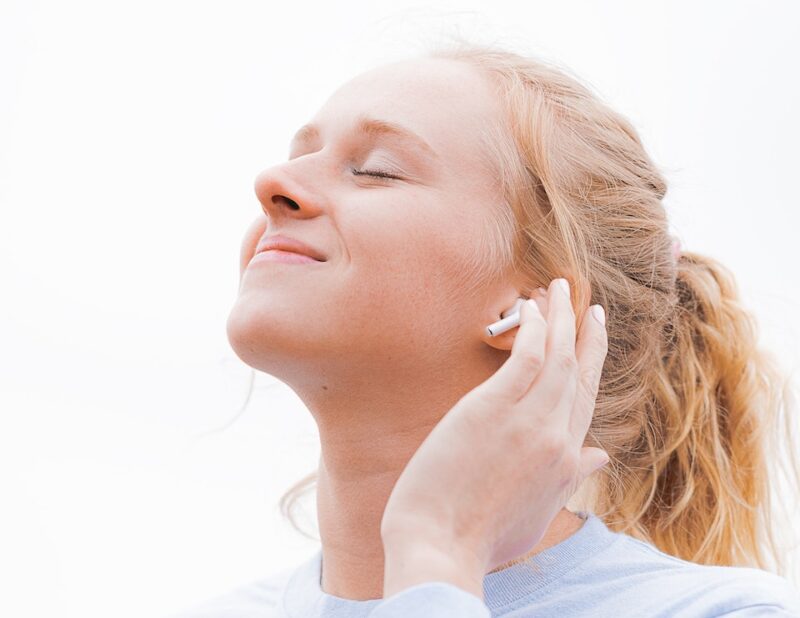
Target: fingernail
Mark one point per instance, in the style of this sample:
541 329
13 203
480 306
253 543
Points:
564 285
599 313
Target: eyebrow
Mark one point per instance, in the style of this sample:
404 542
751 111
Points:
373 127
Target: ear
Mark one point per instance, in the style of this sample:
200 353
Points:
505 341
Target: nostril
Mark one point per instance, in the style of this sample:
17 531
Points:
292 203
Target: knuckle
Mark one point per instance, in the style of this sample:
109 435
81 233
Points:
530 361
492 396
565 360
569 469
590 378
519 439
554 448
486 396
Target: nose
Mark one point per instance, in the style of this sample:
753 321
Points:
282 194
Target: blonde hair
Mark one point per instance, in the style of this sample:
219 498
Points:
688 405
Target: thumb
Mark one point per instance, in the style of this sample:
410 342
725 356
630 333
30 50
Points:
592 459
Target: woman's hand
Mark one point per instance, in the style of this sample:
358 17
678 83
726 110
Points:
486 483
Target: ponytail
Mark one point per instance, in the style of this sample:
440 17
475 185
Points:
697 482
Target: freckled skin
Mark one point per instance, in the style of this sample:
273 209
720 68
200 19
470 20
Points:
382 339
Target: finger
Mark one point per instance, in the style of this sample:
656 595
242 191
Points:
591 351
515 376
541 299
554 381
592 459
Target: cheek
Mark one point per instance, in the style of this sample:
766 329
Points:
421 249
450 251
251 237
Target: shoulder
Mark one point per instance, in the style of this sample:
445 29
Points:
717 589
755 590
259 598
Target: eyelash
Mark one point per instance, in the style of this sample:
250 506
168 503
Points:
375 173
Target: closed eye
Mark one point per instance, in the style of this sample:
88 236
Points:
375 173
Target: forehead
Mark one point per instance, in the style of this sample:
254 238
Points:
447 103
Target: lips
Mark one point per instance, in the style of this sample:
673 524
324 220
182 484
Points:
286 243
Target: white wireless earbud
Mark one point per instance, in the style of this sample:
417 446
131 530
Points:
509 321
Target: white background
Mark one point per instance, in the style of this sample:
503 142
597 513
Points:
130 136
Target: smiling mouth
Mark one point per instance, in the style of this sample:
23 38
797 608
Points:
279 255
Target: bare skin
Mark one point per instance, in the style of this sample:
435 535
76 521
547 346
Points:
383 338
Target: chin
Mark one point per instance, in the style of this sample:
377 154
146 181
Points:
251 333
263 342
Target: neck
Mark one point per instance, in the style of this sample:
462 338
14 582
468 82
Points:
372 415
349 510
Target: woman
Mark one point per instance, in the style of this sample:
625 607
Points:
431 194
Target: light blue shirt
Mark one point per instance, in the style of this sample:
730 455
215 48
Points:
594 572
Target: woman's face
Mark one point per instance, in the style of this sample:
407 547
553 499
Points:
392 293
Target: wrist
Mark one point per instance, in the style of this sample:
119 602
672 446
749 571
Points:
409 562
